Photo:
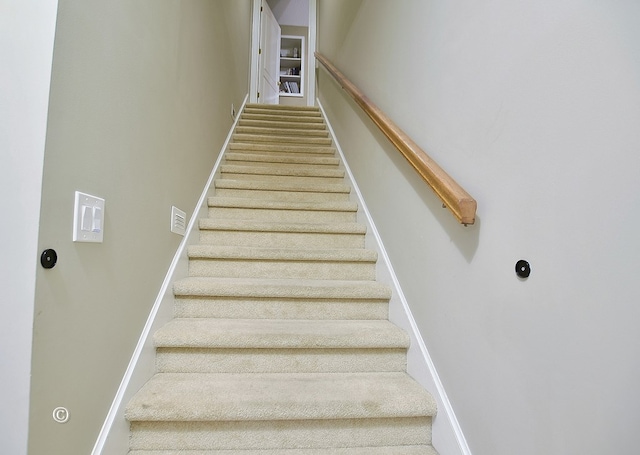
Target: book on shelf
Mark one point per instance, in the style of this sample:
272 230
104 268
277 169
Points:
289 87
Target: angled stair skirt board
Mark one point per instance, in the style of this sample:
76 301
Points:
280 327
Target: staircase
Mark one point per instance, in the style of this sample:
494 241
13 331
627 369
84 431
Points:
280 342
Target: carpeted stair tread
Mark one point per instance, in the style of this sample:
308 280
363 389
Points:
312 111
282 148
280 334
259 262
266 226
281 172
279 195
394 450
281 254
281 235
281 117
281 107
261 130
337 206
268 298
288 113
279 396
279 153
281 186
266 158
284 112
285 125
281 288
281 139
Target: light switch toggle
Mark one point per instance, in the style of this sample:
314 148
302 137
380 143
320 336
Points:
88 218
96 226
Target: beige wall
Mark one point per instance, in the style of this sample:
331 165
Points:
534 108
140 104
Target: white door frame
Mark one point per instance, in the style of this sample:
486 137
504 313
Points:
254 69
311 58
255 46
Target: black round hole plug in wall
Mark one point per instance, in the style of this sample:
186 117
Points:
523 269
49 258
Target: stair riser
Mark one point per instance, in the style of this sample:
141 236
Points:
282 125
254 138
283 155
282 434
282 131
199 360
285 216
259 157
284 196
284 117
298 171
231 268
286 179
387 450
279 148
283 109
280 165
280 308
282 239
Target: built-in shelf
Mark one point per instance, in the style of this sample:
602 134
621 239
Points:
292 66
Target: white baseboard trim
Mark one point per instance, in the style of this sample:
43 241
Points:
448 438
114 436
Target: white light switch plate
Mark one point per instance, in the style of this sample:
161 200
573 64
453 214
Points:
88 218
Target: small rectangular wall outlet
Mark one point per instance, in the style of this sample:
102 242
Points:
178 221
88 218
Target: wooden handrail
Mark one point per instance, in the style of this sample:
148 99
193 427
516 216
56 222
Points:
454 197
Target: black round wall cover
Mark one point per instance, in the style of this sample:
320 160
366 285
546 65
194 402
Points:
49 258
523 269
